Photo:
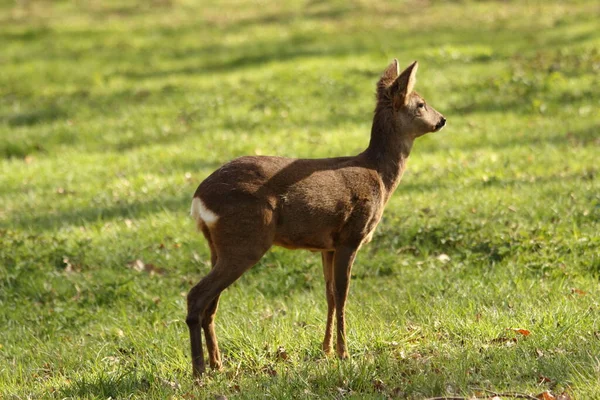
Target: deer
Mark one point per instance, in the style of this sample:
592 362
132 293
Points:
328 205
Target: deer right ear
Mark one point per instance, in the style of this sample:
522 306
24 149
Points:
405 84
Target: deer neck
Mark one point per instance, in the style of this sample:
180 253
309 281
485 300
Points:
388 149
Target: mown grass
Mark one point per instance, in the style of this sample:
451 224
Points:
111 113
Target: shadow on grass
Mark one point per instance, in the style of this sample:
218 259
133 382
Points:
211 59
116 387
81 216
34 117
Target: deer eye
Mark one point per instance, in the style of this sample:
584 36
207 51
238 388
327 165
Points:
420 105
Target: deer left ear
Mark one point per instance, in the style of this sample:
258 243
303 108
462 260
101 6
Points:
405 83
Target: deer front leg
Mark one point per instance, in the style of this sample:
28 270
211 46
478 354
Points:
342 266
327 257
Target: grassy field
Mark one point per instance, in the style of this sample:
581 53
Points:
112 113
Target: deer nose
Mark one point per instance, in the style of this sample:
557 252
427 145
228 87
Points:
441 124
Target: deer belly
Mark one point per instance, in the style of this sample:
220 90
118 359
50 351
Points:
313 242
305 231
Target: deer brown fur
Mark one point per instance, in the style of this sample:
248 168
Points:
331 205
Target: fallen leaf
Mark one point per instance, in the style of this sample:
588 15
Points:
282 354
539 352
378 385
140 266
544 379
137 265
546 395
578 291
63 191
443 258
504 340
68 265
269 370
522 331
173 385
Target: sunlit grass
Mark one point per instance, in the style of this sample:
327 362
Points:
111 114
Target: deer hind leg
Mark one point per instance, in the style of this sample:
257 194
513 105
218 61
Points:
237 247
208 324
208 320
342 266
202 301
327 257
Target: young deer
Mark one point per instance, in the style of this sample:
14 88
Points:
331 205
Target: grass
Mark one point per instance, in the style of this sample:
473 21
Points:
111 114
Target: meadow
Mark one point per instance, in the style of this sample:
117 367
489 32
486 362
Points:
483 274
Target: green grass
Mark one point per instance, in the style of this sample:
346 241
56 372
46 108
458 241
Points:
111 115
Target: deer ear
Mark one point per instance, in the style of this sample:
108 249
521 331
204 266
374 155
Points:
388 78
391 73
405 83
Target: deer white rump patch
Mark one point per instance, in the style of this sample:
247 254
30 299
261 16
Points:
199 211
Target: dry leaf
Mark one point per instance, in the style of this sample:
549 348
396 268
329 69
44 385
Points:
544 379
378 385
269 370
578 291
172 385
504 340
443 258
282 354
61 190
139 266
522 331
68 265
546 395
564 396
539 352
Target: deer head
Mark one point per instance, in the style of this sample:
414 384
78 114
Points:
412 115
